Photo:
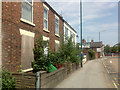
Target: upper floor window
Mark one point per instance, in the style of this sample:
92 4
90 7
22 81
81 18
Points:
71 34
66 32
73 37
27 10
56 26
45 18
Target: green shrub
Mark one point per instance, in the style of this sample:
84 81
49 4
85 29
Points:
69 51
8 82
41 61
91 54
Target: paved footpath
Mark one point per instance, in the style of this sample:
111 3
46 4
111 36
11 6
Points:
92 75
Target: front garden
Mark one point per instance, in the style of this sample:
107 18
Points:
68 52
66 57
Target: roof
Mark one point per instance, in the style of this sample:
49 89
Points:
57 14
95 44
69 25
52 9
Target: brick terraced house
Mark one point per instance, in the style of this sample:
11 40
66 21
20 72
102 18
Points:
22 23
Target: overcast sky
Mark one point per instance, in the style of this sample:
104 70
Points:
98 15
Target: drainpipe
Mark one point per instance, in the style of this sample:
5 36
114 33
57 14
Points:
0 42
38 81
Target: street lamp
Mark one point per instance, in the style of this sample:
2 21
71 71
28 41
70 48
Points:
99 34
81 29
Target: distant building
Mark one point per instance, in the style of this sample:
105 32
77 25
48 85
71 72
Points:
96 46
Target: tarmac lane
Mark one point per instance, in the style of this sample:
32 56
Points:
92 75
112 67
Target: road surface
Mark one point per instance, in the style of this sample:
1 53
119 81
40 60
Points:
111 65
92 75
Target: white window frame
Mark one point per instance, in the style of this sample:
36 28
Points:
46 8
56 17
27 33
30 34
57 42
45 39
24 20
65 32
73 37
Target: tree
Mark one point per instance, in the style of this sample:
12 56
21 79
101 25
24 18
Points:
40 62
8 81
114 49
107 49
69 51
91 54
119 47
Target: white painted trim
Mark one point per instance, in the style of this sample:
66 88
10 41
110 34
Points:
45 19
45 38
27 33
45 6
27 70
57 35
65 25
57 24
56 41
56 16
28 22
70 30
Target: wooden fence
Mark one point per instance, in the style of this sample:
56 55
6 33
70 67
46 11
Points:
25 80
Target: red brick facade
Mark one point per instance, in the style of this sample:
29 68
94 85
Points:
11 23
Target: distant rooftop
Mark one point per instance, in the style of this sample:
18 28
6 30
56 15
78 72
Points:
95 44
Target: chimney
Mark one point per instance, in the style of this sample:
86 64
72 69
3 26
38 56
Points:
61 16
92 40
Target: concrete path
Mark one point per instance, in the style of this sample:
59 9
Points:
92 75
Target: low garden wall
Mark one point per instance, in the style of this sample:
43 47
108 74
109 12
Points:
50 80
47 80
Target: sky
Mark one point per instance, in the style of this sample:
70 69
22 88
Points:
98 16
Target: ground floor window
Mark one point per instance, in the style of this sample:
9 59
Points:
57 45
27 45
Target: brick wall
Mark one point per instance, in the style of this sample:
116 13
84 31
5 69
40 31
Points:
11 23
47 80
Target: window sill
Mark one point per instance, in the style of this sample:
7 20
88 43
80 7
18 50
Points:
57 35
46 30
28 22
27 70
